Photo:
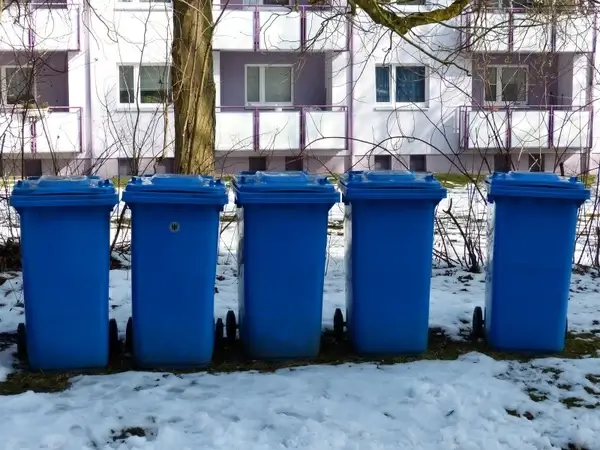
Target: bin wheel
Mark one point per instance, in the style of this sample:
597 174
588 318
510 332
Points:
338 323
21 341
114 344
129 336
230 326
478 325
567 328
219 330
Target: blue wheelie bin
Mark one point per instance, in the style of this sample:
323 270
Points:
281 262
389 222
532 219
65 252
174 244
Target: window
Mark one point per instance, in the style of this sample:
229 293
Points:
418 163
18 85
150 83
145 1
33 168
267 2
508 3
537 163
506 85
294 163
271 85
257 163
400 84
125 167
502 162
165 165
382 162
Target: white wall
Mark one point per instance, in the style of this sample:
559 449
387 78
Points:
127 33
427 130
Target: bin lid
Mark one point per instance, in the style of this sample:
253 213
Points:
389 179
534 179
174 183
64 185
277 182
536 184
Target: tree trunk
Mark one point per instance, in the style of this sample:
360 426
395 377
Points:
193 86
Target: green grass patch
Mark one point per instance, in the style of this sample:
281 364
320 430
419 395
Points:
120 182
588 180
451 180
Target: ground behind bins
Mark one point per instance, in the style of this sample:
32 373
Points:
458 395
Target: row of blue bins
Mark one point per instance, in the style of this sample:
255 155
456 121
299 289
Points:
282 232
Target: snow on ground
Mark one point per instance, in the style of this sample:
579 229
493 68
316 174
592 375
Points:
474 402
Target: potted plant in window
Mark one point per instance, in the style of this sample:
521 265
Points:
34 110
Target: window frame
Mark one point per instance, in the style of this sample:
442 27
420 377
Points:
258 158
499 68
392 82
138 3
262 85
4 82
137 85
385 157
412 158
122 162
534 159
291 161
506 162
33 163
251 5
505 4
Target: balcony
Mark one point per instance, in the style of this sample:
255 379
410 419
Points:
43 26
503 29
59 130
527 128
280 28
292 128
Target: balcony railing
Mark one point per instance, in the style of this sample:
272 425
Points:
288 128
505 30
526 127
40 27
59 130
281 28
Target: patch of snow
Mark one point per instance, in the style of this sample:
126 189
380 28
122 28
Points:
6 362
469 404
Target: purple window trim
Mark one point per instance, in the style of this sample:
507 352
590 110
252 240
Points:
33 132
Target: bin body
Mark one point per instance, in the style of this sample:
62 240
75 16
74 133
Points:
175 236
65 251
282 246
389 220
532 223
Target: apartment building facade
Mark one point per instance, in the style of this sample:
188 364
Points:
301 86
